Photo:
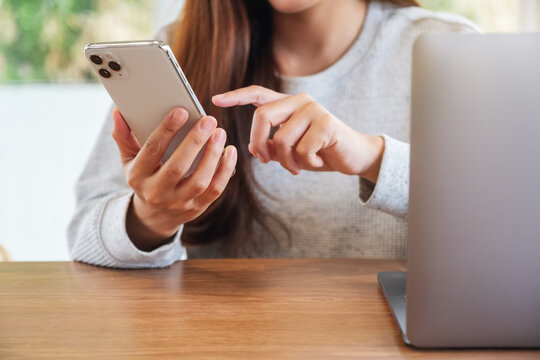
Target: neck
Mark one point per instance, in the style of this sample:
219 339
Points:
310 41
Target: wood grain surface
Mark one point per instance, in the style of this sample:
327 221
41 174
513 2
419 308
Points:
205 309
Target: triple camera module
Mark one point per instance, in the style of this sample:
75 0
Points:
113 65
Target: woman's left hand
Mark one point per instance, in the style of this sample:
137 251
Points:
309 136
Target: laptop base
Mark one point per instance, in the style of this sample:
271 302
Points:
394 287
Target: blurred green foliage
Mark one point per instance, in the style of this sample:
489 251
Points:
24 53
43 40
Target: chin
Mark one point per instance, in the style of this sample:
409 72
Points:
292 6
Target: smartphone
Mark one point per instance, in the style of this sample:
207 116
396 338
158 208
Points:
145 82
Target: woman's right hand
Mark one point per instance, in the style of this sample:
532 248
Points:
162 199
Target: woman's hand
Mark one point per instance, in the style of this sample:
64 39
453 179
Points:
309 137
163 199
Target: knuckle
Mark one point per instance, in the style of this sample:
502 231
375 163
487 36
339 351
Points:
304 96
153 146
255 88
278 138
197 139
216 149
198 209
131 178
132 182
199 185
308 160
191 212
258 91
313 106
261 113
181 207
302 151
281 140
168 127
175 171
311 161
216 190
326 123
153 198
153 202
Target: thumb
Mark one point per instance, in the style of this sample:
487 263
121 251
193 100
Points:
127 144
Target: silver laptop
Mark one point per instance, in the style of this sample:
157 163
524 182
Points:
473 276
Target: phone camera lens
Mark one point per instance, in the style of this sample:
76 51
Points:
115 66
96 59
105 73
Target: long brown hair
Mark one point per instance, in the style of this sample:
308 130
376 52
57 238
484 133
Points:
223 45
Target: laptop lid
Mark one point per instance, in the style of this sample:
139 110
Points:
474 217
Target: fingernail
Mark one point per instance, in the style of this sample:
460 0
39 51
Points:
207 124
231 153
217 97
219 137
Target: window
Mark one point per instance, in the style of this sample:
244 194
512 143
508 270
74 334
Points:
493 16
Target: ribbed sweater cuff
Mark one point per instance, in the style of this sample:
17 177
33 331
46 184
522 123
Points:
112 232
391 191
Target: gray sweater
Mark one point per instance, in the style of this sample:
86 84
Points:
328 214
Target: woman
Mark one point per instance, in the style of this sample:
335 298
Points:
326 79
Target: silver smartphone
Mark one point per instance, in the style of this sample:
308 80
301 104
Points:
145 82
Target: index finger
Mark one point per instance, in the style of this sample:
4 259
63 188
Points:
254 94
157 143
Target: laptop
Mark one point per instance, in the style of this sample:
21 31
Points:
473 274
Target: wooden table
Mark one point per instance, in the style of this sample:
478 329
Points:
253 309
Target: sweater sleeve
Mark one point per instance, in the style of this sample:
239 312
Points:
391 191
97 232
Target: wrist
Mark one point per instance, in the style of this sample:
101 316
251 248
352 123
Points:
376 151
145 228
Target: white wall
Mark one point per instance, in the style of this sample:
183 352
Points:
46 133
